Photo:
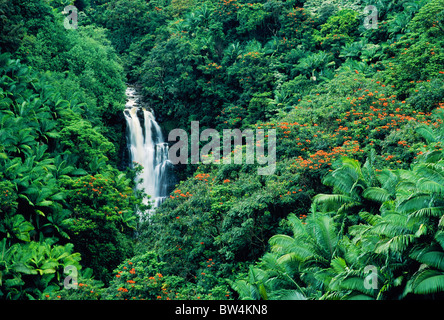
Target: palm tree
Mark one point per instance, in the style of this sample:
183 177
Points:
251 288
346 280
312 247
420 196
352 185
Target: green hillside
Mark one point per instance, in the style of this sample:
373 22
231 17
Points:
353 210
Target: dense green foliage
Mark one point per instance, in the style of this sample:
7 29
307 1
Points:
359 176
62 199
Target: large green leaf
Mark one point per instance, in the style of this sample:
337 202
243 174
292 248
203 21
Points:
21 227
23 268
45 203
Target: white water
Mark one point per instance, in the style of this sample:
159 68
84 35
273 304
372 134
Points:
147 148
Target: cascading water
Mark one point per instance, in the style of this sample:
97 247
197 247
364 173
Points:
148 148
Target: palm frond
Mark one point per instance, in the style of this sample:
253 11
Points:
376 194
392 224
246 290
428 281
346 177
439 237
339 265
277 281
406 175
414 203
293 258
432 172
396 244
286 294
388 180
358 296
432 157
368 170
331 202
296 225
351 282
286 245
339 181
270 261
428 212
347 207
325 233
427 133
430 186
370 218
431 256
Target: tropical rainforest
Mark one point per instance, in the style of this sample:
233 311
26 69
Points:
354 209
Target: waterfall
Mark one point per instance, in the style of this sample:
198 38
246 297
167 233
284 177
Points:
148 148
